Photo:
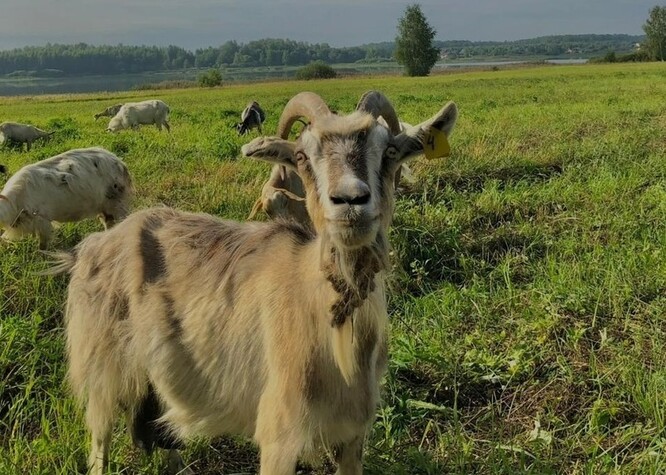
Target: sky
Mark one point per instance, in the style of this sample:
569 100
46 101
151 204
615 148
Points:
198 23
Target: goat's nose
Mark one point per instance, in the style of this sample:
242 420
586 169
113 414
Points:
351 192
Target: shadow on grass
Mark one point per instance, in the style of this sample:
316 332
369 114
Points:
475 180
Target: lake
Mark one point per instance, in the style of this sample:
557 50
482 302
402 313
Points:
124 82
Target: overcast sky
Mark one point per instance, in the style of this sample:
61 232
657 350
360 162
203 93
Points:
197 23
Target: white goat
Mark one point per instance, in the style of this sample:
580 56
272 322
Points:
283 194
21 133
133 114
74 185
199 326
109 111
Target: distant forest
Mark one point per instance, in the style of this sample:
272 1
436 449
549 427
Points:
84 59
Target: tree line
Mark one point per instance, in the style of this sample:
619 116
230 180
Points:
86 59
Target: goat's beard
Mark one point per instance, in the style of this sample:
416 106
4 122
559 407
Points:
352 273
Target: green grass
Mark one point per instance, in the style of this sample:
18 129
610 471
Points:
529 292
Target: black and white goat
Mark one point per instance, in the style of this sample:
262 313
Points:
251 117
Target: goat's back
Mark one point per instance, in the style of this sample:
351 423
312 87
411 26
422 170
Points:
145 112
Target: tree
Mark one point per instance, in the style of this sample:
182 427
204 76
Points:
655 30
414 47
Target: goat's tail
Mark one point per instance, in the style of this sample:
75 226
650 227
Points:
59 262
258 206
343 349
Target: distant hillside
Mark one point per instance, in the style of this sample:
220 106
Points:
84 59
578 45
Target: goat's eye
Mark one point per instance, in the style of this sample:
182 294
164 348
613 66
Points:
391 152
362 135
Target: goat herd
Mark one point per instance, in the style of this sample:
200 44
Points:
194 325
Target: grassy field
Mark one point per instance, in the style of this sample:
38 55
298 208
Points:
528 300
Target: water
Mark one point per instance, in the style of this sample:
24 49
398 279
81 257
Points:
125 82
478 64
67 85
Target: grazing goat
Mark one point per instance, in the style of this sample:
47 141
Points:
200 326
109 111
282 195
74 185
11 132
252 116
133 114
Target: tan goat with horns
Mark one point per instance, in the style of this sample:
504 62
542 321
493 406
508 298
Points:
283 194
199 326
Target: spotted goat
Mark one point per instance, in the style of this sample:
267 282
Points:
198 326
77 184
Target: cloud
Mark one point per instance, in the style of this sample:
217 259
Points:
339 23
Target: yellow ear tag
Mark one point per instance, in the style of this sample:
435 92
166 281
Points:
436 145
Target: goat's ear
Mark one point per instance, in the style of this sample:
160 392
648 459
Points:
429 137
271 149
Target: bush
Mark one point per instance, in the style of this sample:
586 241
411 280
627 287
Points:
610 57
316 70
211 78
64 128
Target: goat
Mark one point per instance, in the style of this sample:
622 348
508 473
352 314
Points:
74 185
12 132
133 114
283 195
109 111
201 326
252 116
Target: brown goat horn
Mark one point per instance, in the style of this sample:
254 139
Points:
303 104
377 104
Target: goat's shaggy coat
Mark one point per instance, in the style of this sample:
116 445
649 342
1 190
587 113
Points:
271 330
74 185
133 114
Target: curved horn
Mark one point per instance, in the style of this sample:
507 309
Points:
377 104
303 104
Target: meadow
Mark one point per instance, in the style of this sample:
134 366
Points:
528 297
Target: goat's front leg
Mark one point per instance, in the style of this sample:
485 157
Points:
98 460
279 458
349 458
279 434
44 231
